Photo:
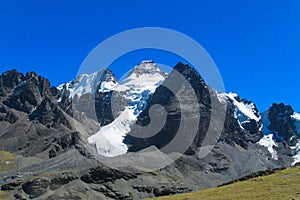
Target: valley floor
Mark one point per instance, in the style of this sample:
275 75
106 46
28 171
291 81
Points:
283 184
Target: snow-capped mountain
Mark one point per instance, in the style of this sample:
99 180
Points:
180 108
281 125
245 112
90 95
40 126
103 80
134 92
135 88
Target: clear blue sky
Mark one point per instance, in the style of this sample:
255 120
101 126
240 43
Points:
255 44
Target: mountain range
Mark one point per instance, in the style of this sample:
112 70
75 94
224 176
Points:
63 137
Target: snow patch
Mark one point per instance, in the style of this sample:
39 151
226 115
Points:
136 88
297 156
268 142
222 97
109 139
83 84
107 86
296 116
246 109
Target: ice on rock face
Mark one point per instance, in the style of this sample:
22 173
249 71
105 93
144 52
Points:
88 83
296 157
268 142
244 110
140 83
296 117
222 97
247 109
107 81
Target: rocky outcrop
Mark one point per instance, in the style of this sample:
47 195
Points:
35 188
59 145
103 175
25 98
281 123
28 91
233 134
49 114
9 80
98 182
7 115
33 120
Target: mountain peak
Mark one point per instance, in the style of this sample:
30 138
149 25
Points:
89 83
147 61
107 81
146 67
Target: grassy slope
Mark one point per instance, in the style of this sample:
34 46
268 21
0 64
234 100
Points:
4 196
284 184
7 161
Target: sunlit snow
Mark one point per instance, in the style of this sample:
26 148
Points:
142 82
297 156
243 111
83 84
268 142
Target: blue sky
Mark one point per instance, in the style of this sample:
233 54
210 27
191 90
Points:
255 44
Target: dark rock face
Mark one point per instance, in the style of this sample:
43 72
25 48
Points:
59 145
35 188
9 80
7 115
27 94
34 121
103 107
247 123
171 105
232 133
163 190
251 126
168 99
103 99
25 98
57 182
104 175
49 114
281 123
65 102
96 106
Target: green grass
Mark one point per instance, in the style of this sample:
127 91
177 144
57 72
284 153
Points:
283 184
7 161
